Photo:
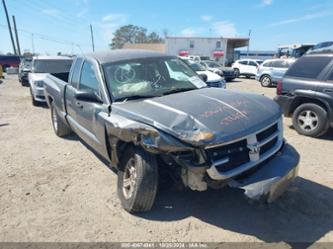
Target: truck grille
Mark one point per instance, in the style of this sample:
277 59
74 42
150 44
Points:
233 158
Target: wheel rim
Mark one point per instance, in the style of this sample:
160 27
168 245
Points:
54 119
129 179
308 120
266 81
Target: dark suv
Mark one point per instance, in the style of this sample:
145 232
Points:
306 94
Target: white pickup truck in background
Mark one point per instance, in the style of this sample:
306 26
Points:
41 66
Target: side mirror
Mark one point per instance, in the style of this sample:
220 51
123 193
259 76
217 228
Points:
88 96
204 77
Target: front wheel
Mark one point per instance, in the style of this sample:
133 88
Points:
33 101
137 180
310 120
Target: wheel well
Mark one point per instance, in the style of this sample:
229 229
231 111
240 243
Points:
304 100
262 76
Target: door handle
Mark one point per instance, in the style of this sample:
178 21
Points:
78 104
328 90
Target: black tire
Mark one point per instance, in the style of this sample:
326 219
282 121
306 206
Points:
60 128
33 101
237 72
266 81
310 120
140 195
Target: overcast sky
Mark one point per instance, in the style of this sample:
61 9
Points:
63 25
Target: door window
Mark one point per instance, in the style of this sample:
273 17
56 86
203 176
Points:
252 63
88 80
76 73
243 62
330 78
308 67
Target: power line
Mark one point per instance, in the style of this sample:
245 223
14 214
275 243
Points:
31 10
9 27
48 38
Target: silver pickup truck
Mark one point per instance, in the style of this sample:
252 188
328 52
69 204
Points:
129 107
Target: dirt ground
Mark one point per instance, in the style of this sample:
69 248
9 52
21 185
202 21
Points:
54 189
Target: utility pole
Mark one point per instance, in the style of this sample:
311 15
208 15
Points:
9 27
92 38
16 36
248 44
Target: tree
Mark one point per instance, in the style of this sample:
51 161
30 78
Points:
133 34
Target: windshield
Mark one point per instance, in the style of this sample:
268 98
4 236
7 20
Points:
150 77
51 66
197 67
213 64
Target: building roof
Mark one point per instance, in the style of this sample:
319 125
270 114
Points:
109 56
198 37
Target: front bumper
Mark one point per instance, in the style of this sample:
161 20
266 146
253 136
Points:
273 178
38 93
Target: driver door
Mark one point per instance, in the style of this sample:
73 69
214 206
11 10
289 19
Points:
89 114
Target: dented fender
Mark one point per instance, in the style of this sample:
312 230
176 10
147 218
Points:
120 128
273 178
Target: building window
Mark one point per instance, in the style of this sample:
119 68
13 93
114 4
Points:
191 44
218 44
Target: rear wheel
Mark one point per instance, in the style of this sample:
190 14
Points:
310 120
137 180
60 128
266 81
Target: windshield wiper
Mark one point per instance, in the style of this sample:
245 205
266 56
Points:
133 97
179 90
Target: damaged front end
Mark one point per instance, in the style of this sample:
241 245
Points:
261 163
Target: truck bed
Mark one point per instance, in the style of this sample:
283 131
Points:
54 89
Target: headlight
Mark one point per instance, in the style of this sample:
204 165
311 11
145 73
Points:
39 83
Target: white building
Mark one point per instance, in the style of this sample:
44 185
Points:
216 48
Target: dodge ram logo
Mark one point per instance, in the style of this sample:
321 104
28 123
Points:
254 148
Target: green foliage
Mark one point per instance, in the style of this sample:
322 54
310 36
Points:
133 34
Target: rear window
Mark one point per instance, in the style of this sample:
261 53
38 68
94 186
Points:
51 66
308 67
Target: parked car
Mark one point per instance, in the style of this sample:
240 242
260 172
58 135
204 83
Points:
323 47
42 65
306 94
24 70
271 71
211 79
126 105
246 67
227 72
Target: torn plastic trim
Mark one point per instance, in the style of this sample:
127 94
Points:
273 178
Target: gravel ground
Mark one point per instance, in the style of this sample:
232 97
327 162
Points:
54 189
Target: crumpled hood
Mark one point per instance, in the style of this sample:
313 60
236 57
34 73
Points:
203 116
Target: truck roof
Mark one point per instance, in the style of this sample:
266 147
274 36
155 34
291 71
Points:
115 55
46 57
